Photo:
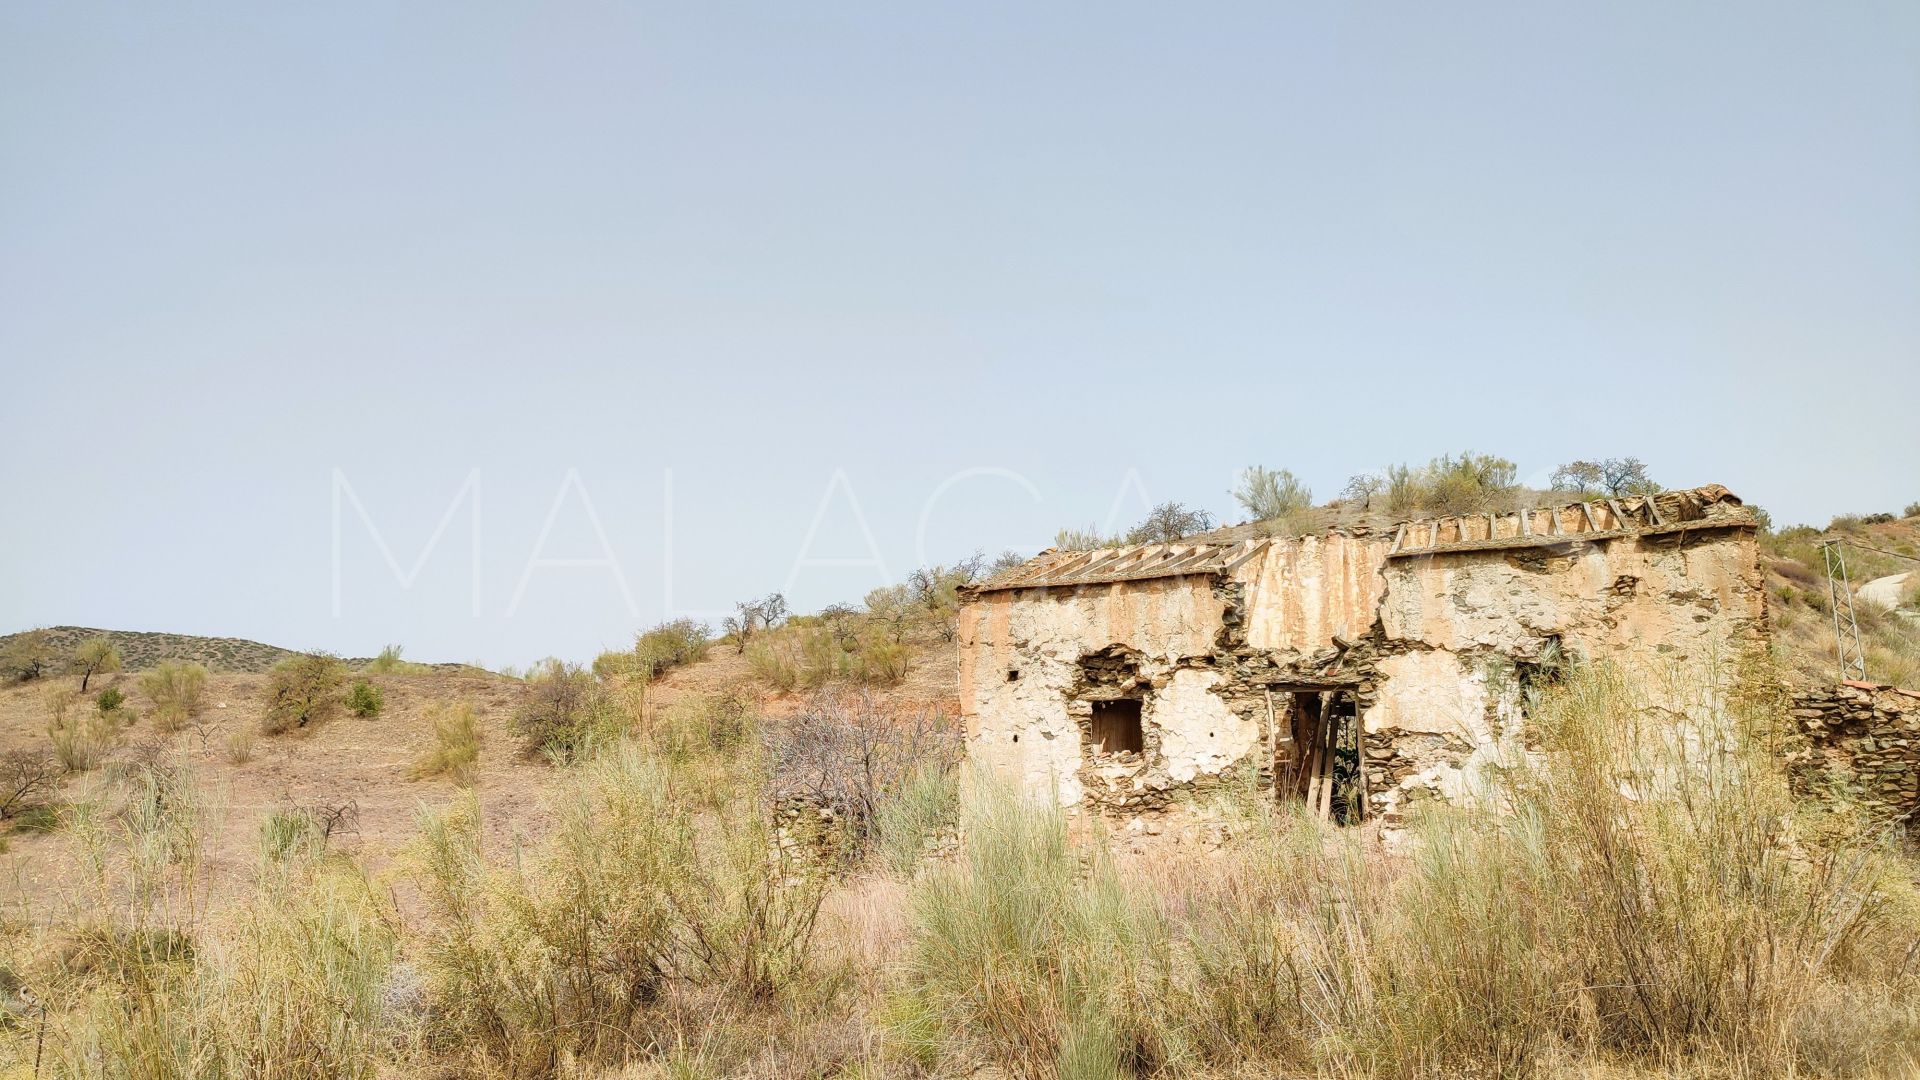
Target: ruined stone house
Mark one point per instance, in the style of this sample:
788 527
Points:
1352 667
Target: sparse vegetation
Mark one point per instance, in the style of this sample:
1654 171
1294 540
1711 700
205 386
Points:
1797 593
175 688
845 752
811 656
754 615
655 652
1168 522
1613 477
26 777
1272 494
1447 485
456 745
94 656
391 662
240 746
628 906
365 700
303 691
1622 899
1632 907
27 656
81 737
1164 524
109 701
1087 539
564 714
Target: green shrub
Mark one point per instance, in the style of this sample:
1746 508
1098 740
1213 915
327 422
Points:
878 662
1451 485
564 715
176 689
1272 494
365 700
670 645
109 700
714 727
303 691
616 663
289 988
239 746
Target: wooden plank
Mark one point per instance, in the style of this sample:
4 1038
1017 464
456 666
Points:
1535 541
1326 760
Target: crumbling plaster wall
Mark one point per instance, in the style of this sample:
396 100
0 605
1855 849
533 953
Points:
1434 647
1020 666
1304 591
1454 627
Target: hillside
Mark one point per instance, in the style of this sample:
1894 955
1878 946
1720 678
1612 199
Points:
1802 615
141 650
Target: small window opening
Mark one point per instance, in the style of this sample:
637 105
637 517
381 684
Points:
1116 727
1013 674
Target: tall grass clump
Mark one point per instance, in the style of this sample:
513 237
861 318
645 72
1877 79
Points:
391 662
571 949
287 987
1643 887
81 738
176 689
1029 952
915 813
456 745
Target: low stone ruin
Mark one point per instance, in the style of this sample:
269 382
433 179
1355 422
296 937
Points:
1862 748
1355 668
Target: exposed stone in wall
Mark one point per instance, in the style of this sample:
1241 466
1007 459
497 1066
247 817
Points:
1404 767
1863 746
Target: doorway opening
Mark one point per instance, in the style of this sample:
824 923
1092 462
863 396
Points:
1316 752
1116 727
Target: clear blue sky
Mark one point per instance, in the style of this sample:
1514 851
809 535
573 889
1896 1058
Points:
1116 250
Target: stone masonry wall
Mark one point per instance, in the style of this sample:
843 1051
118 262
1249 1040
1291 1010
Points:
1863 745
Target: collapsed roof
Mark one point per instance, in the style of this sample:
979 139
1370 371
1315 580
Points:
1592 520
